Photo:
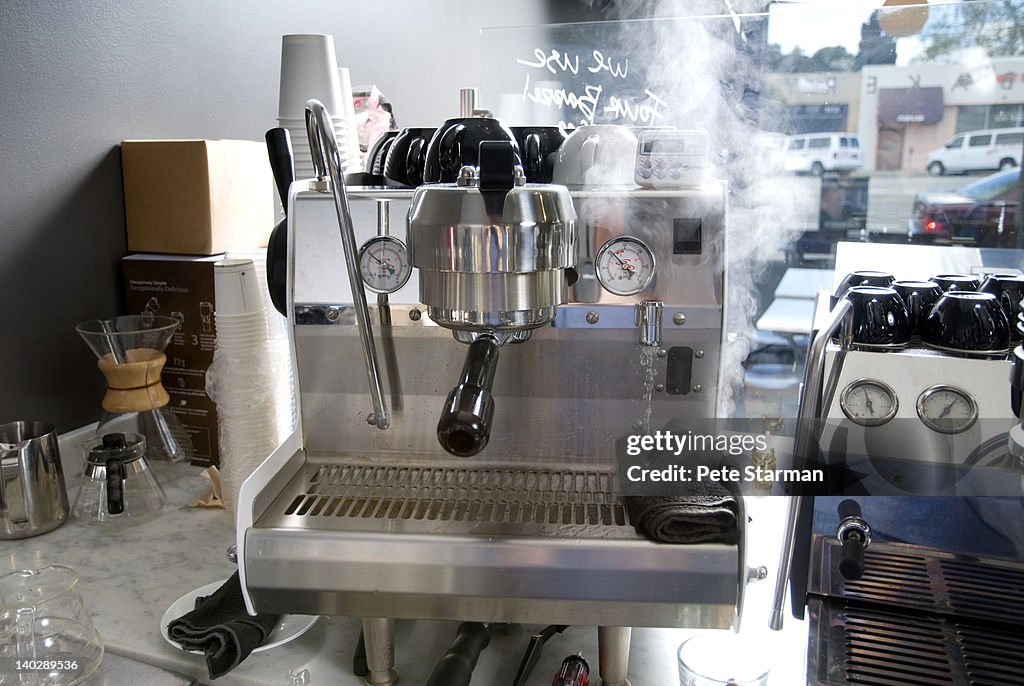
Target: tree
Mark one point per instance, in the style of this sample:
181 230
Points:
997 26
832 58
875 47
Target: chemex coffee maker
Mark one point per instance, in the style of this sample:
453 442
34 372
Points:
910 566
457 443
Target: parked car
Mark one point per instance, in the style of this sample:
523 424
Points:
981 213
817 153
983 150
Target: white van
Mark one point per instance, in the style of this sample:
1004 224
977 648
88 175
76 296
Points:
816 153
985 150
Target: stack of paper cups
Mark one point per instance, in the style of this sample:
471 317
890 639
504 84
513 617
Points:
250 377
309 70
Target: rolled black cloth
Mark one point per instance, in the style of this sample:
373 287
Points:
220 627
701 512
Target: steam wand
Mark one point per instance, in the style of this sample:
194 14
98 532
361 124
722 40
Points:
327 161
810 411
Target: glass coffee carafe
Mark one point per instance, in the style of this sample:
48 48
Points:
46 634
130 352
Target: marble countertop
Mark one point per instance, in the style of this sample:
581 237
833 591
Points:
130 576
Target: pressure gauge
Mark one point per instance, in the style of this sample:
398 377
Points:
625 265
947 409
384 264
868 402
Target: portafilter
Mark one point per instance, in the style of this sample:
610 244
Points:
496 256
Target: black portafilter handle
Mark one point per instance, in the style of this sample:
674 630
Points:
457 665
465 424
855 536
279 147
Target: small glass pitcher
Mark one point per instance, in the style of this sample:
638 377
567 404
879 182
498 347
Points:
46 635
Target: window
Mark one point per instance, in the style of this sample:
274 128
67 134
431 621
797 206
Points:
971 118
797 144
956 142
844 142
980 141
818 143
854 142
1010 138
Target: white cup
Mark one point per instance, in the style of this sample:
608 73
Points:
236 288
309 69
598 155
723 658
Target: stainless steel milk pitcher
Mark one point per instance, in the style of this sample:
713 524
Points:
33 498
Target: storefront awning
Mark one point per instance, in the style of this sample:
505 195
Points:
910 105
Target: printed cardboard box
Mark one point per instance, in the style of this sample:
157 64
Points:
181 286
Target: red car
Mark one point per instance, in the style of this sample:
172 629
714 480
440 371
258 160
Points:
982 213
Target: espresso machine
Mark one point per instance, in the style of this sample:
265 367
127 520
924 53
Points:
910 567
457 445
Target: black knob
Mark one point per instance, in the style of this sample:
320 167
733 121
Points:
851 564
465 424
849 508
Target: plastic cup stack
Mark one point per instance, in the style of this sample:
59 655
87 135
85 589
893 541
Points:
250 378
309 69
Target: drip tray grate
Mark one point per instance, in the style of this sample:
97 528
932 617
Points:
930 581
874 646
366 496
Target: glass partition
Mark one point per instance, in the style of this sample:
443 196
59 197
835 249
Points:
830 122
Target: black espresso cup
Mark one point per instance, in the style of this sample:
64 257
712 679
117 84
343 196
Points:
538 146
880 318
863 278
919 298
1009 291
967 322
406 156
378 155
956 282
457 143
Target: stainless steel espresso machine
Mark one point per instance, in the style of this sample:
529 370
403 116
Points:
911 571
456 451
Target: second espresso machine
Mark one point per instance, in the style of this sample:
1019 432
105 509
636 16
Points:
456 456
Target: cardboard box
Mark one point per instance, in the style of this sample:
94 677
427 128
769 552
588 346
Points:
181 286
197 197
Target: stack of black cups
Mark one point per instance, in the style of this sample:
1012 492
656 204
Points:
954 313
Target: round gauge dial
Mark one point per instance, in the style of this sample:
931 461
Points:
625 265
947 409
384 264
868 402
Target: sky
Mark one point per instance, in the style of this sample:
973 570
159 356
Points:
814 24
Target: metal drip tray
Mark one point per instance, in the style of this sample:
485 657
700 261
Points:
852 643
916 617
424 499
479 542
915 578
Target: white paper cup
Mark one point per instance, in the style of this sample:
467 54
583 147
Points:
309 69
236 288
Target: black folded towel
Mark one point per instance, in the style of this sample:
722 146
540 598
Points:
220 627
701 512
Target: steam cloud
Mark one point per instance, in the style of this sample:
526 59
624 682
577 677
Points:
702 63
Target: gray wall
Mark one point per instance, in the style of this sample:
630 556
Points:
79 77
